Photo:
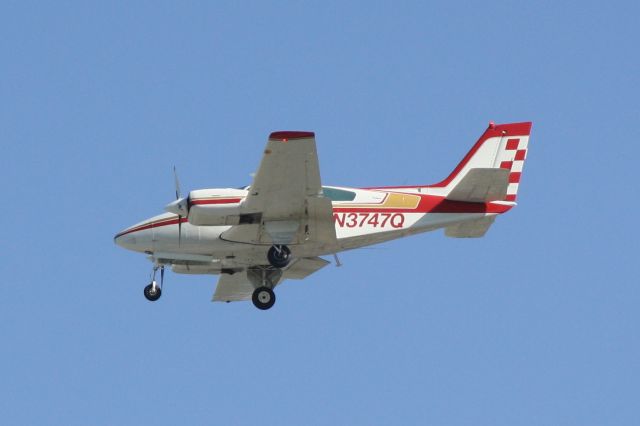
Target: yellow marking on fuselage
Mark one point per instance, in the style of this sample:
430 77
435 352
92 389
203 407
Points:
392 200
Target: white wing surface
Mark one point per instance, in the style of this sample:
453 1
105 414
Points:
288 174
286 194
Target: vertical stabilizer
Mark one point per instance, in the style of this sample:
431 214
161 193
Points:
501 146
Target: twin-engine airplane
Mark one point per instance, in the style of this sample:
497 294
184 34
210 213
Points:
278 227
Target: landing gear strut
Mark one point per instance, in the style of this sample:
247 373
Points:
279 256
153 291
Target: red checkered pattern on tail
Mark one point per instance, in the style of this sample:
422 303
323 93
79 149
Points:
511 156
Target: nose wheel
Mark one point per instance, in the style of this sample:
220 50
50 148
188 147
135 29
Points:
279 255
153 291
263 298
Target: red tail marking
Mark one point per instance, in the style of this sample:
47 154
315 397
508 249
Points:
497 130
506 165
512 144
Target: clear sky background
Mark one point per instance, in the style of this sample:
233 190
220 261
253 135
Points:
535 324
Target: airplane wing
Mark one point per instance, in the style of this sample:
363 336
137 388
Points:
481 185
286 194
238 286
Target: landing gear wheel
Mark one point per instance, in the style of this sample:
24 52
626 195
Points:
263 298
152 292
279 256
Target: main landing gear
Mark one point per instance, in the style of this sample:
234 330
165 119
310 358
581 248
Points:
264 279
279 256
263 298
153 291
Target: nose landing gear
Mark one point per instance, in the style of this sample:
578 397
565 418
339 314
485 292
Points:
153 291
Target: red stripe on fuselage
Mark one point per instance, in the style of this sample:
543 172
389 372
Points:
157 224
434 204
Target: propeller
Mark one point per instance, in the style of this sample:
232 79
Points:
177 181
179 207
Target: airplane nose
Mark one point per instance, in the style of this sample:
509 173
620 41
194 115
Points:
124 240
138 237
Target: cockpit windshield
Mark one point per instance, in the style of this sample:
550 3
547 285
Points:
335 194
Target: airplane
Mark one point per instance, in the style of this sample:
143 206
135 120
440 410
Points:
281 225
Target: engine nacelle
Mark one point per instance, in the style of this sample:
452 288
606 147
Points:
214 214
218 207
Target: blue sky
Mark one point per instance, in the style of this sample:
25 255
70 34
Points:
535 324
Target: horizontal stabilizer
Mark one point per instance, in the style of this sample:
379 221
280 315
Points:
472 229
481 185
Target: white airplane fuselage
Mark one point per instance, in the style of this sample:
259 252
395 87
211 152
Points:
372 217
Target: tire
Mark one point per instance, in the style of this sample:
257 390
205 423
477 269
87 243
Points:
279 256
263 298
151 294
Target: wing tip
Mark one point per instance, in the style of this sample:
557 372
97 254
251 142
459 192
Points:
289 135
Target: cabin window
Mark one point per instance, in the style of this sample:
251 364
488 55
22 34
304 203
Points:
338 194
